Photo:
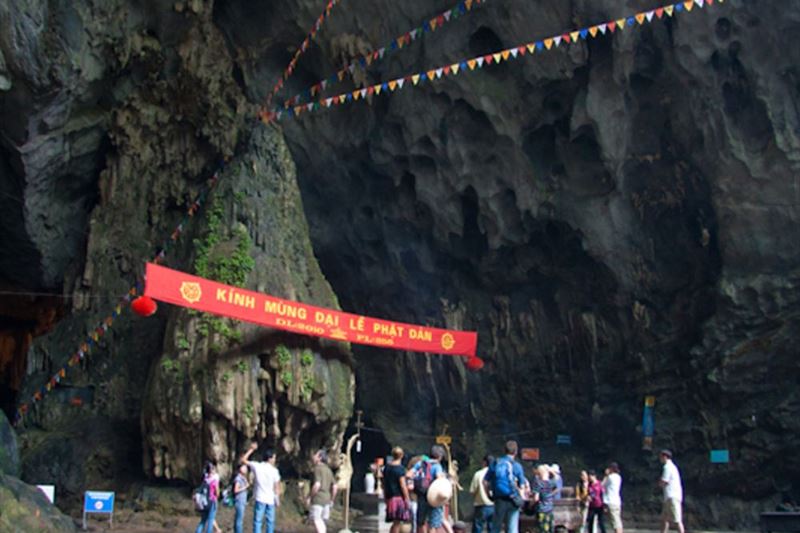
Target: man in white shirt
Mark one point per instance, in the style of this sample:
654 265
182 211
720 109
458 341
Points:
267 489
612 496
673 493
484 507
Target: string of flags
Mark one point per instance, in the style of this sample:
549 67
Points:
92 338
398 43
305 45
478 62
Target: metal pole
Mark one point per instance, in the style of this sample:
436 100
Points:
350 443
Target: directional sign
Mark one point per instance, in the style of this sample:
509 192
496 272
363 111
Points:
444 439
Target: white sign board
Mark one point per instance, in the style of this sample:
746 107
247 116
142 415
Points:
49 492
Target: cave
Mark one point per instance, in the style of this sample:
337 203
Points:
612 210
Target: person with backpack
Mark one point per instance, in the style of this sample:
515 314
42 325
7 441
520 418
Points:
205 498
595 503
267 488
423 473
506 483
396 491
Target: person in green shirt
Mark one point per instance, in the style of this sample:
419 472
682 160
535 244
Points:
323 491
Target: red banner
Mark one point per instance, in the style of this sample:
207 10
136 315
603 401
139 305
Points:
182 289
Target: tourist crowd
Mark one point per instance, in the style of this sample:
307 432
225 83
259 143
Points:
418 493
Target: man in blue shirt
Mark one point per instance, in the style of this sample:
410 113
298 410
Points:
505 478
423 473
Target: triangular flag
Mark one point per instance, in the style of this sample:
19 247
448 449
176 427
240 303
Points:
506 53
593 31
487 59
602 28
413 33
640 18
574 35
660 12
415 79
381 52
710 2
378 88
310 106
649 15
392 85
431 74
514 52
668 10
699 3
539 45
432 24
447 16
370 90
584 32
400 82
548 43
356 95
689 4
612 26
521 50
480 61
439 72
566 38
342 98
531 47
621 24
447 70
471 64
363 93
557 40
454 67
497 57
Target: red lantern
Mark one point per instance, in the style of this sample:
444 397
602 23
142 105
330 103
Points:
474 363
144 306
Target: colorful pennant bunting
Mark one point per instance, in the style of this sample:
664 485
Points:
548 43
300 51
395 44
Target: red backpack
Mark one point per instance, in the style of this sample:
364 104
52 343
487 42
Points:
423 481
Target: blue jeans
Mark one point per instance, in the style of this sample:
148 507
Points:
506 514
238 522
261 510
482 521
207 519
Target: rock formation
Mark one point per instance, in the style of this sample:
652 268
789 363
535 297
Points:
616 218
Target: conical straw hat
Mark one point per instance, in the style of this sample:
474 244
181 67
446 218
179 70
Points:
440 492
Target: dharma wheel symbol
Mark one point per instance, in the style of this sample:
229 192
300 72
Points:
191 291
448 341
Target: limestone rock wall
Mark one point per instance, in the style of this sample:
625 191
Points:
616 219
113 117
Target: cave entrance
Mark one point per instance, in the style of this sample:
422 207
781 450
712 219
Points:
23 316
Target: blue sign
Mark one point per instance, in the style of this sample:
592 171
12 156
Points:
98 502
564 439
720 456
